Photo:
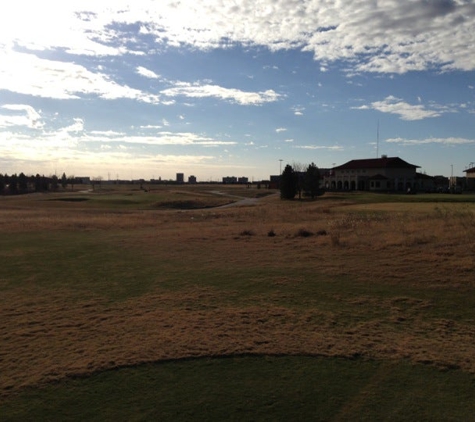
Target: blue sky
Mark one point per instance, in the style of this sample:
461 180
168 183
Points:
146 89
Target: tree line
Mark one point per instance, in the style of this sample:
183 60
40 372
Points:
293 182
16 184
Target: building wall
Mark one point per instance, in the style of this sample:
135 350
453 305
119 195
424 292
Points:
470 181
359 179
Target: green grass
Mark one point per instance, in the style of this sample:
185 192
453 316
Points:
377 198
158 196
254 388
227 272
91 263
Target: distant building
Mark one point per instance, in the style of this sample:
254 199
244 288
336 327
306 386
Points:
457 184
441 183
228 180
82 180
180 178
192 179
374 174
470 178
425 183
274 182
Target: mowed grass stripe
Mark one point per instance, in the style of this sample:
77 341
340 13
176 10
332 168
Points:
254 388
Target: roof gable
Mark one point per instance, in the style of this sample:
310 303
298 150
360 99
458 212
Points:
424 176
376 163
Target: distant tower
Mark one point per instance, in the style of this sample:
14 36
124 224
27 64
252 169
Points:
180 178
377 140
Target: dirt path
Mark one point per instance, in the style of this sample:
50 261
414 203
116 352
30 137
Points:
242 200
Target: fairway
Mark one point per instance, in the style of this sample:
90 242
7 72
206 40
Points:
346 307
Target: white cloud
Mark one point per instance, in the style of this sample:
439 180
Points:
151 127
29 117
107 133
281 129
147 73
298 111
330 148
387 36
27 74
73 146
441 141
165 138
197 90
77 126
406 111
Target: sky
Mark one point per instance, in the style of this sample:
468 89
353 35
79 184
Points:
213 88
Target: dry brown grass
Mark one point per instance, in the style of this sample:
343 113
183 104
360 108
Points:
45 335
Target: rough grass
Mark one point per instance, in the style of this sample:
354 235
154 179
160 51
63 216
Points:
254 388
85 290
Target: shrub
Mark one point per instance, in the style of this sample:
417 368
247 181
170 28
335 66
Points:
304 233
247 233
335 238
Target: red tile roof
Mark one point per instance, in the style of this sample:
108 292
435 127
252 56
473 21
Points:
373 163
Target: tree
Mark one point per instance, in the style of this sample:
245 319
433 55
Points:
96 180
64 181
54 182
71 181
311 182
13 184
288 183
38 183
299 171
2 183
23 183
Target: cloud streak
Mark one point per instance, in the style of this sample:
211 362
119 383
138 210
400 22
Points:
197 90
405 111
28 74
320 147
24 115
451 141
389 36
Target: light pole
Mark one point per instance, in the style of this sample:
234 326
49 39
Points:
451 184
280 166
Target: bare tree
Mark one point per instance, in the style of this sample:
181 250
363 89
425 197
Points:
96 180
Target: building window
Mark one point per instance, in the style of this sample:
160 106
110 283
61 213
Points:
378 185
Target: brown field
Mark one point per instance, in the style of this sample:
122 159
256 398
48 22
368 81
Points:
381 281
